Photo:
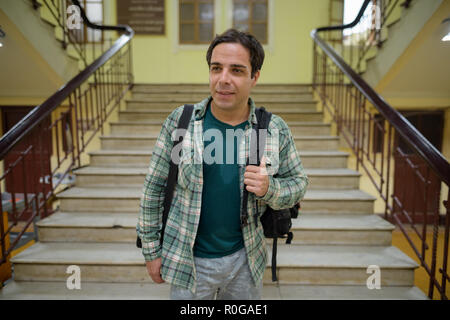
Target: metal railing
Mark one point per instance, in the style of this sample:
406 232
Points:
41 150
88 40
384 142
355 43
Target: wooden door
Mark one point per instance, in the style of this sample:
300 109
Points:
32 173
415 186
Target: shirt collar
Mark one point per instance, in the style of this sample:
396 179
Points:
200 110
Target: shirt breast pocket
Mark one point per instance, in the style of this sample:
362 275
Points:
189 176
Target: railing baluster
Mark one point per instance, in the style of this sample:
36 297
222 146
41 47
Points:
445 276
24 169
3 234
41 136
389 156
373 136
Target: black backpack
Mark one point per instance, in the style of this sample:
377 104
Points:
276 223
183 123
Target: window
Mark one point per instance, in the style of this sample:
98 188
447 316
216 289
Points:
196 21
251 16
94 12
368 27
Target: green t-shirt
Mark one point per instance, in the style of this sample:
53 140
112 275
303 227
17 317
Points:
219 232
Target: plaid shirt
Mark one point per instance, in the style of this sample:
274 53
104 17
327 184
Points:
286 188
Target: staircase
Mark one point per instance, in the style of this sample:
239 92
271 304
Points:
401 27
33 45
336 237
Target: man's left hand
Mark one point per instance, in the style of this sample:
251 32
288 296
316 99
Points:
256 179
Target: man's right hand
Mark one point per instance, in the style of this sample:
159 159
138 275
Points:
154 270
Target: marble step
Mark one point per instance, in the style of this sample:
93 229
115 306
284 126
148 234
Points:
273 105
326 229
204 88
127 199
121 176
321 264
183 97
296 264
141 158
154 127
307 229
110 176
88 227
40 290
160 113
147 141
120 158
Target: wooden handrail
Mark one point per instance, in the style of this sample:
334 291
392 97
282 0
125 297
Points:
39 113
91 97
407 131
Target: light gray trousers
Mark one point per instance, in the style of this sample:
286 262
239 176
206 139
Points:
225 278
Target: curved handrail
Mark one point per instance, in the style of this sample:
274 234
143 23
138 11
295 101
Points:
407 131
40 112
119 27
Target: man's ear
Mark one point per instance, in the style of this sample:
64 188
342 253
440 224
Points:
255 77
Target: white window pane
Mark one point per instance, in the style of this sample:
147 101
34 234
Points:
351 10
259 11
94 11
205 32
240 12
259 31
241 27
206 11
187 11
187 32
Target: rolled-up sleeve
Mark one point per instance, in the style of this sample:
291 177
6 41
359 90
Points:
288 186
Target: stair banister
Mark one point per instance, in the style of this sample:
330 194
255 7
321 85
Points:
89 97
336 83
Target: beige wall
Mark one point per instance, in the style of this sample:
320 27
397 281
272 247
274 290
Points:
159 59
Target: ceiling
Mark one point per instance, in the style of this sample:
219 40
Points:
426 74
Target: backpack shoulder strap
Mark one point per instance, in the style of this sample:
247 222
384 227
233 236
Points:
263 118
183 123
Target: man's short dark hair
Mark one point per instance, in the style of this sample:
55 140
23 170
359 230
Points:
245 39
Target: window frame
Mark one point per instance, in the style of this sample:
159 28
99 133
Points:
196 22
250 21
222 23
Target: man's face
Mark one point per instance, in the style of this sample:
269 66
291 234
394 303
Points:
230 79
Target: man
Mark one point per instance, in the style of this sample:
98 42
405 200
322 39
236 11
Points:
207 252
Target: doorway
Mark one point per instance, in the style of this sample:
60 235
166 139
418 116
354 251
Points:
415 185
29 174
